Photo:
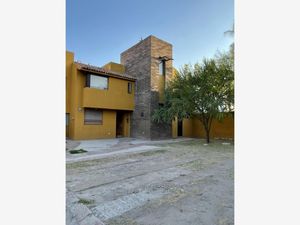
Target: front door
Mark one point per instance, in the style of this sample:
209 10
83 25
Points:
119 124
179 128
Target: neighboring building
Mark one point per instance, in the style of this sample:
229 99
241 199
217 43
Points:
117 100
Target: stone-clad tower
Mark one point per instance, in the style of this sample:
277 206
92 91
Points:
150 62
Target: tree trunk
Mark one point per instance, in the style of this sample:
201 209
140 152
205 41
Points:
207 135
206 121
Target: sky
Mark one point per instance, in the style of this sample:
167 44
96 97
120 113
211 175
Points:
97 31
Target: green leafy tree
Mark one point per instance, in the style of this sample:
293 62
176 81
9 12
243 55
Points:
203 91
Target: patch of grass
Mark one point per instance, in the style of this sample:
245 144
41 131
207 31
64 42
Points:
149 153
86 201
77 151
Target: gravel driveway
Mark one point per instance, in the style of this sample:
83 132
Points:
184 183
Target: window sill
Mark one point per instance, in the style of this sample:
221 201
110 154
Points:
93 123
97 88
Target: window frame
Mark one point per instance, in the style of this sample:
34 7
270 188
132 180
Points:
162 64
93 122
129 87
88 81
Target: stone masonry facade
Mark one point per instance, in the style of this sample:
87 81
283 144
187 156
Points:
142 62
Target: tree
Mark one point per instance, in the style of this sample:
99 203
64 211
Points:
203 91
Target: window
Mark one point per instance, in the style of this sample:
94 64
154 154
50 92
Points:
92 116
162 67
129 88
95 81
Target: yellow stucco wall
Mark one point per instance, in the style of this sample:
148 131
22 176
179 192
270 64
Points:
69 61
116 67
126 124
78 97
174 128
219 129
161 88
106 130
116 97
193 128
224 129
187 128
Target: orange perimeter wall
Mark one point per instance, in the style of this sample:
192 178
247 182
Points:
223 129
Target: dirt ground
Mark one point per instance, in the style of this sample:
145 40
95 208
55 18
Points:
184 183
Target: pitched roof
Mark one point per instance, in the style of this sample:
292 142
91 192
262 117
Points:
102 71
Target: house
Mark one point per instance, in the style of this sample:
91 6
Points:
99 100
117 100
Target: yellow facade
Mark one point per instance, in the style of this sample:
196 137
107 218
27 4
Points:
187 128
174 128
112 102
116 67
69 62
116 97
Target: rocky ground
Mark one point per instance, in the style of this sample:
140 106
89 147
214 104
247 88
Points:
184 183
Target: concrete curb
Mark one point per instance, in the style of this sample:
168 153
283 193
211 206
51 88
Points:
132 150
137 147
79 214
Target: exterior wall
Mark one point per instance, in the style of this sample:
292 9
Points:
69 61
219 129
74 104
174 128
187 127
158 130
126 125
116 67
141 61
137 61
158 83
116 97
105 130
224 129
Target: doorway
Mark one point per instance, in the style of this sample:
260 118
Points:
67 124
179 128
119 124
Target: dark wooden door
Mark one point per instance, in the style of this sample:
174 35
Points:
179 128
